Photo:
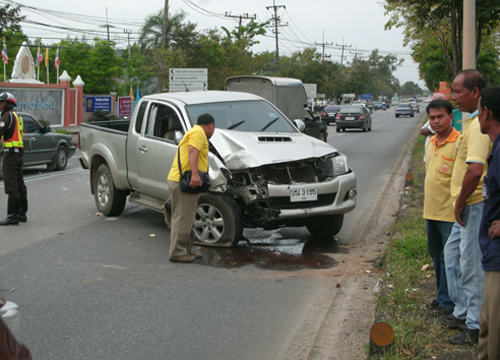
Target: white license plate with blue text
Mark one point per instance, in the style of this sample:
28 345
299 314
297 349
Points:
303 194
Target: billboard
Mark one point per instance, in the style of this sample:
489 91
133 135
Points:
43 104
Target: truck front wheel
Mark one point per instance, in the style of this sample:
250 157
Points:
325 226
218 221
109 200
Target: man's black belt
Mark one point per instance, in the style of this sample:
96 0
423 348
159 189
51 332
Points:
15 150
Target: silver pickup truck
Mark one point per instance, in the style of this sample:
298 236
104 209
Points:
265 172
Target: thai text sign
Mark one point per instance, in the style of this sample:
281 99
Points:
124 107
94 103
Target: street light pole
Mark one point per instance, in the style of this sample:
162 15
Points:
469 35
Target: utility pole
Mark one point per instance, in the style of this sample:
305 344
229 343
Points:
241 17
469 35
107 26
323 44
128 32
343 46
164 44
356 53
276 22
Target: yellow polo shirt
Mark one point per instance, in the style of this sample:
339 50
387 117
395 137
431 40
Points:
197 138
440 161
472 147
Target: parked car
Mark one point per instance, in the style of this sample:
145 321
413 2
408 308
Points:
354 117
329 113
404 109
41 146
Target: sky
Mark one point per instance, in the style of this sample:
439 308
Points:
356 24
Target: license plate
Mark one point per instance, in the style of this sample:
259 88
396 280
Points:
349 118
303 194
331 114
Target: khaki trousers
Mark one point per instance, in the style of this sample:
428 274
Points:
183 212
489 331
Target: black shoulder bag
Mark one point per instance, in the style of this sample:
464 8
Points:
185 180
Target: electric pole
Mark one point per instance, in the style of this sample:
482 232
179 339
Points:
164 44
356 53
343 46
107 26
128 32
241 17
276 23
323 44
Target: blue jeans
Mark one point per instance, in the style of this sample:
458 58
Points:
437 235
464 271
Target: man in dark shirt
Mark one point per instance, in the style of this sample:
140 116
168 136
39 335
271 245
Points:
489 237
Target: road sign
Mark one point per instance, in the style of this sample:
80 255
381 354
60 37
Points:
310 90
366 97
189 79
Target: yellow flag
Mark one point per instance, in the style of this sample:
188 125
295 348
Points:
131 93
47 57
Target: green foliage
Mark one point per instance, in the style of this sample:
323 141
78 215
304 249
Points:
100 115
10 19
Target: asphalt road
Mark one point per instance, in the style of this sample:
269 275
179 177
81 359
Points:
102 288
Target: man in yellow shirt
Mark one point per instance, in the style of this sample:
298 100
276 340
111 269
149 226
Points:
438 209
193 149
462 255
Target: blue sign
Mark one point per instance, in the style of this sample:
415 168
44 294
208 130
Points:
93 103
366 96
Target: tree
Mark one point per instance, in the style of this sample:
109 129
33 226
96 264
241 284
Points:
98 65
442 21
10 20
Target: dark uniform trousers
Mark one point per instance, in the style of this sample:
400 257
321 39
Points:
13 173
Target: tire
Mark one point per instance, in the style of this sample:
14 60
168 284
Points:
218 221
325 226
412 115
337 129
322 137
397 116
109 200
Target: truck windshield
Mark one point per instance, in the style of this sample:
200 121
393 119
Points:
251 116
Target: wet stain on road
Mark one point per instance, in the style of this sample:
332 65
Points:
272 250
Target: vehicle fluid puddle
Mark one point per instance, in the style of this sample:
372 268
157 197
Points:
274 250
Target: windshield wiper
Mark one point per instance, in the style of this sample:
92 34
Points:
269 124
235 125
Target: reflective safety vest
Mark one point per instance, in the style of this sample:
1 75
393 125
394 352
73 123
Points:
17 137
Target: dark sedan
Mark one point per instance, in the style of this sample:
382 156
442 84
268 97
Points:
404 110
329 113
41 146
354 117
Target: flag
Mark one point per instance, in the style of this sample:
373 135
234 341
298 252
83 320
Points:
47 57
56 61
131 93
5 56
137 97
39 57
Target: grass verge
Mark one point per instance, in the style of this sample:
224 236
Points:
409 282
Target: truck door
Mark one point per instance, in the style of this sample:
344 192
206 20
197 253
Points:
156 149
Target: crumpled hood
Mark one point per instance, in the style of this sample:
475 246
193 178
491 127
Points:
242 150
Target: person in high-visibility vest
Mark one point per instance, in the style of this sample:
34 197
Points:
11 133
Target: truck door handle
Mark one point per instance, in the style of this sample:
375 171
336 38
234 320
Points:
143 148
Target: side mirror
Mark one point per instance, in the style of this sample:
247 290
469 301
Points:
46 129
178 136
299 124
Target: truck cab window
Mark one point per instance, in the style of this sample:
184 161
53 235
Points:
140 117
163 121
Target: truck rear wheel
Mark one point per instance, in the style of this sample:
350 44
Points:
218 221
325 226
109 200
